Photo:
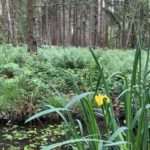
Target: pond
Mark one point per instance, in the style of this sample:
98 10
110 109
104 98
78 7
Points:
23 137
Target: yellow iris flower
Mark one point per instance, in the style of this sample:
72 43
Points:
101 98
106 99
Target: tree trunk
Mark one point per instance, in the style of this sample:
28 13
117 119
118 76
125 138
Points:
44 41
101 24
133 37
124 35
48 35
37 21
1 28
31 42
64 22
9 21
14 20
95 24
74 26
69 24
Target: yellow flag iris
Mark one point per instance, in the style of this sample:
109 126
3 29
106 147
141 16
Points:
101 98
106 99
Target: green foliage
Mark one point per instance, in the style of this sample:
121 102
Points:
9 70
132 137
56 74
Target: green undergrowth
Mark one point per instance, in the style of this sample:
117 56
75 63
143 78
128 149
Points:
54 75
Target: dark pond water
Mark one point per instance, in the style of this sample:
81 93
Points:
18 137
34 137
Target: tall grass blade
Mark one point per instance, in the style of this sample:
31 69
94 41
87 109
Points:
117 133
77 99
45 112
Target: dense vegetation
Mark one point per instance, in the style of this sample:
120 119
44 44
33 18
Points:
54 75
29 82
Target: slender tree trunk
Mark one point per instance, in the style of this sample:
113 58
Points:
31 42
20 35
105 30
37 21
125 4
91 26
84 26
129 31
101 24
69 24
44 41
74 25
133 37
14 20
48 34
64 22
95 25
1 8
1 28
9 21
